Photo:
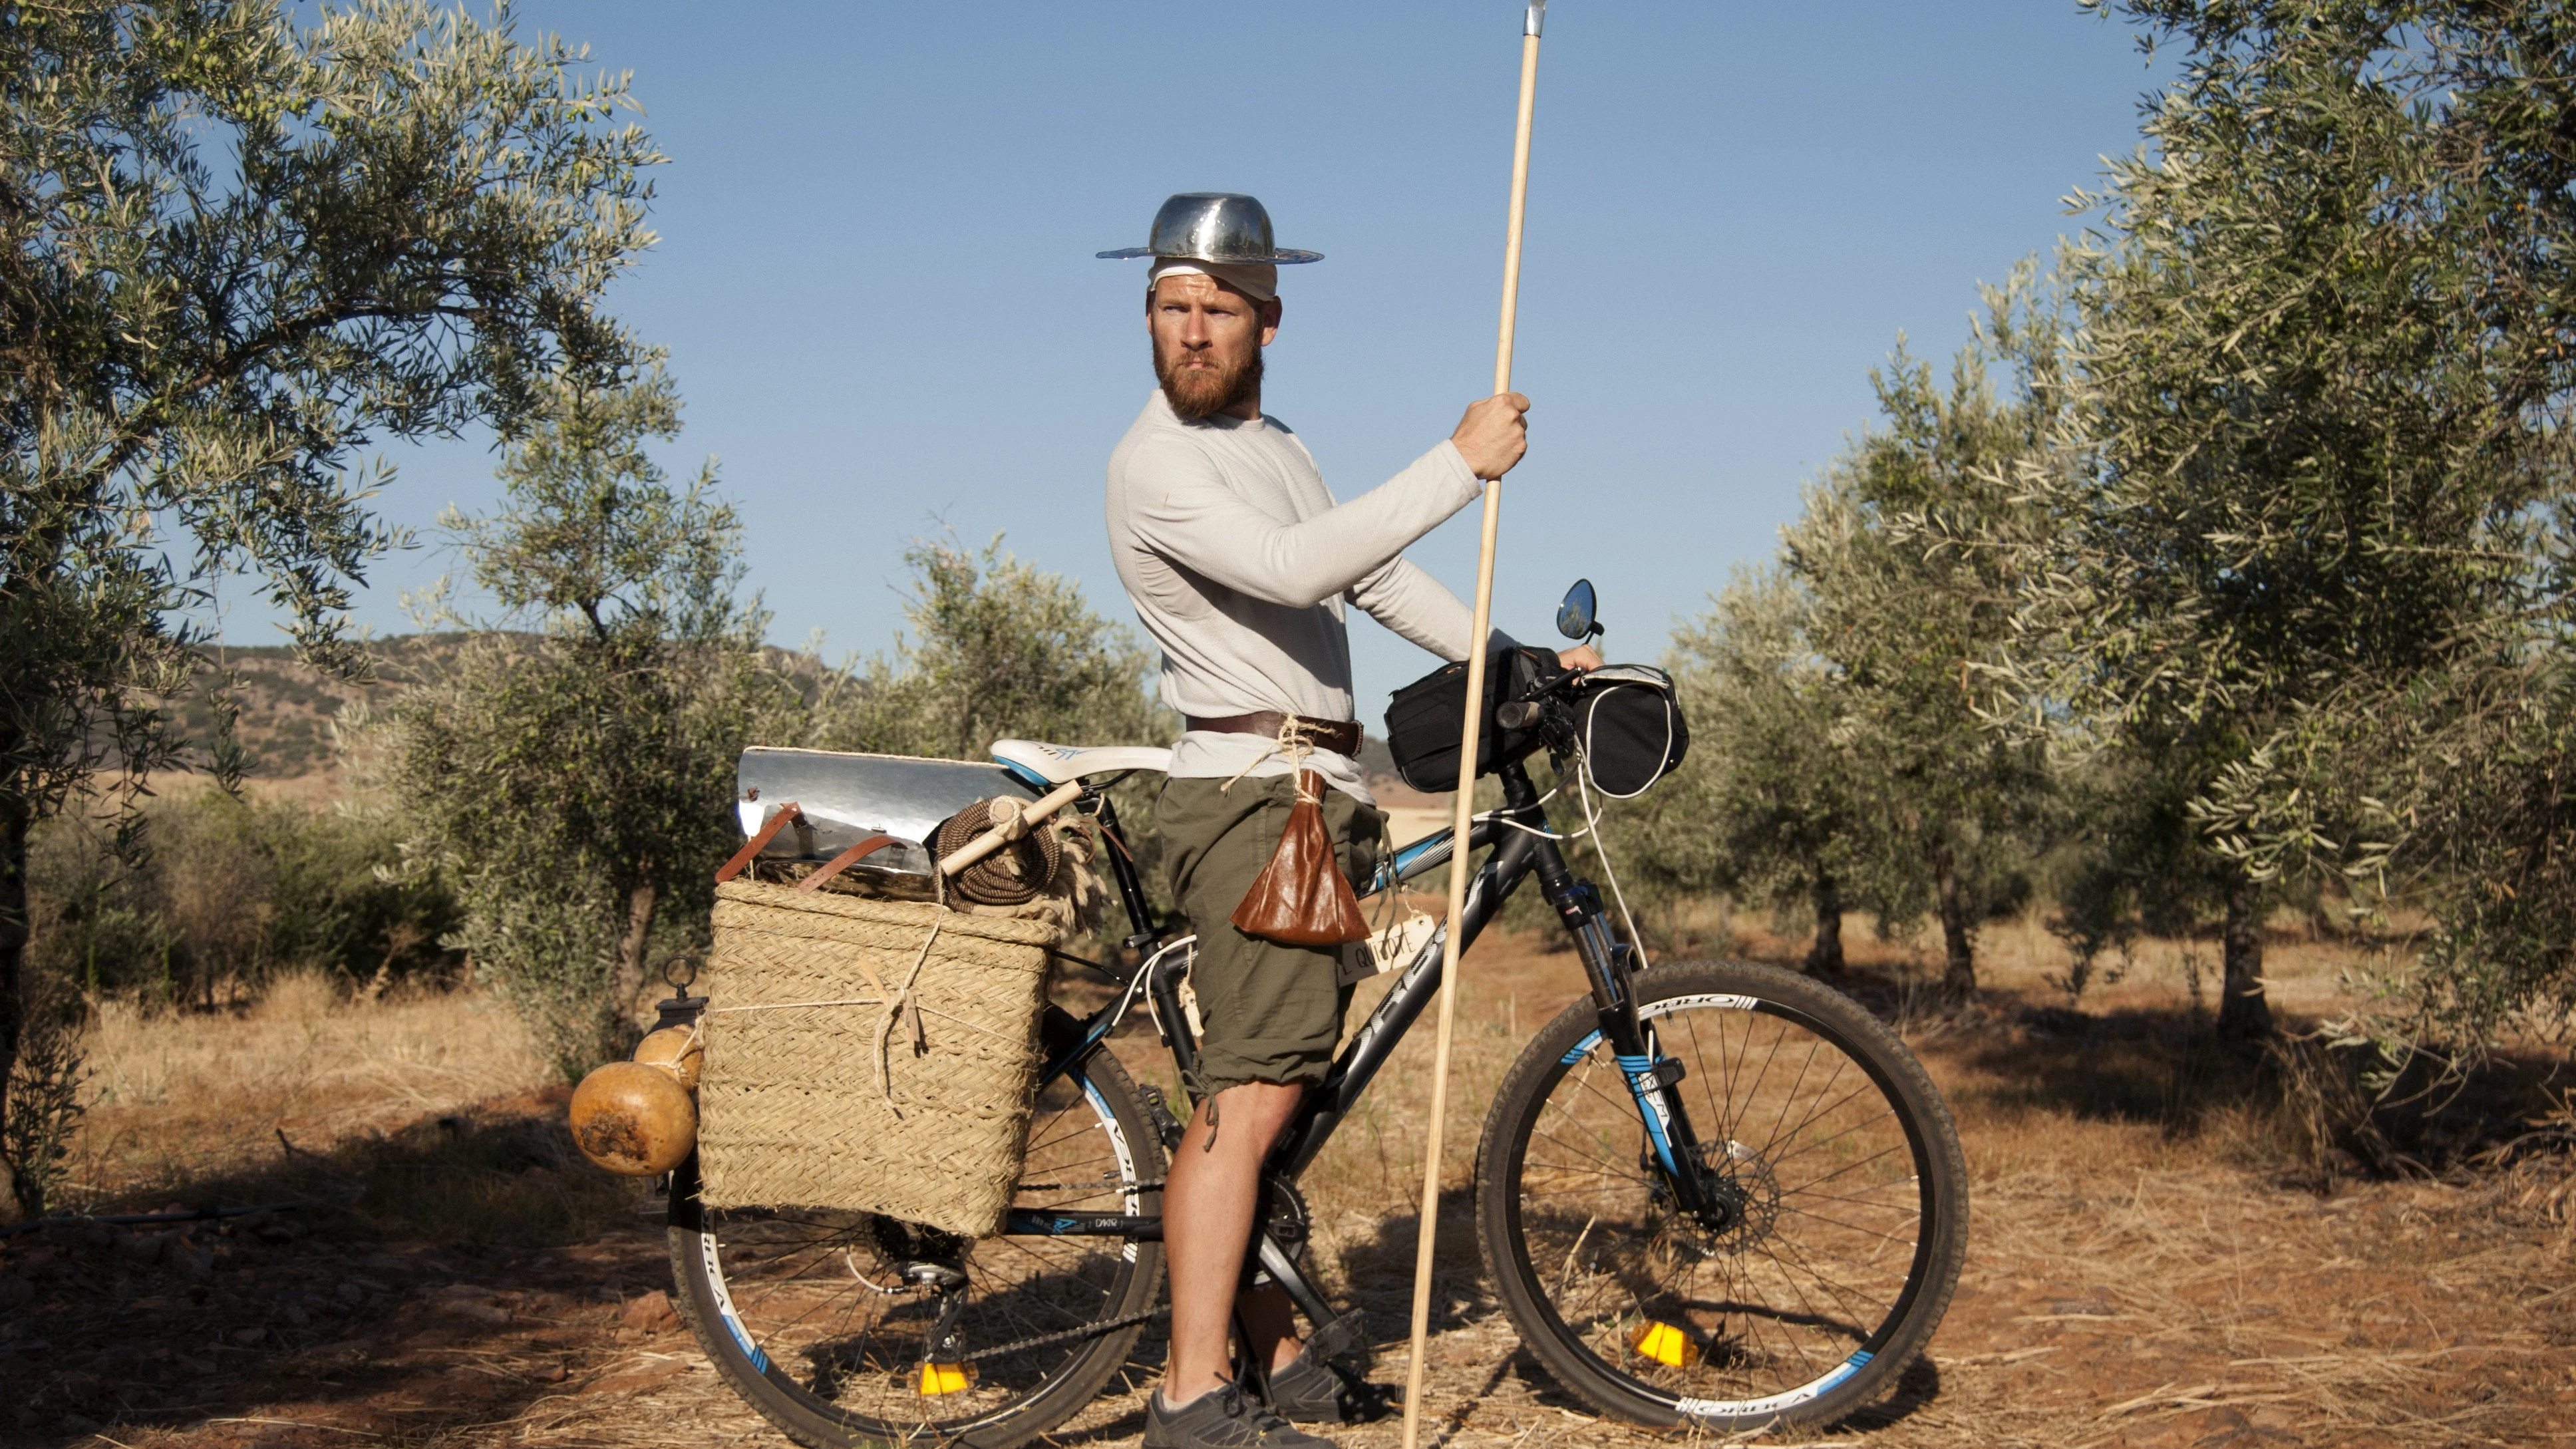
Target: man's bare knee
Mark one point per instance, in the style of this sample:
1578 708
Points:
1258 1110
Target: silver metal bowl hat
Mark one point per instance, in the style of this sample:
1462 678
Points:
1214 226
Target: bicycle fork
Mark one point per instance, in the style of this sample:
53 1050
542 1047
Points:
1654 1080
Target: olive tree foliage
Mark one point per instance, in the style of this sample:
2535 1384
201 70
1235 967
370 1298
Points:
234 252
1771 806
1903 618
2308 566
573 768
998 648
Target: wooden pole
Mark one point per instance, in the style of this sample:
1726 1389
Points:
1463 819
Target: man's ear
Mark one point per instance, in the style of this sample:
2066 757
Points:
1269 321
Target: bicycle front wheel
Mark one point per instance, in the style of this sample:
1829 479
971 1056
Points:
1844 1218
823 1321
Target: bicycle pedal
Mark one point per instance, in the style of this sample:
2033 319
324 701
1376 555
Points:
1366 1403
1166 1126
1344 1344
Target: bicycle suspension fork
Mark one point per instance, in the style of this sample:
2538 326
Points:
1653 1079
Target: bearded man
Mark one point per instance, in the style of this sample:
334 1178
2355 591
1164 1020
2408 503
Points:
1240 565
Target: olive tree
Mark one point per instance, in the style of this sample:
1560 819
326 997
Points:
997 648
2319 387
572 769
1912 549
235 252
1771 805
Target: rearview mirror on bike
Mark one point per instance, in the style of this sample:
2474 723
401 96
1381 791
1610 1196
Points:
1575 618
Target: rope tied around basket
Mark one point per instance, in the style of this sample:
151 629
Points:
999 852
1022 868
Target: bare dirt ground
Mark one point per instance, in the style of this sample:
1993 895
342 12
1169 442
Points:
2161 1252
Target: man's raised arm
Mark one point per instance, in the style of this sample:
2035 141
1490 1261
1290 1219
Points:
1184 511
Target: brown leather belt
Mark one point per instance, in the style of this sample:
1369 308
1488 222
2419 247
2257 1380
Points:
1342 736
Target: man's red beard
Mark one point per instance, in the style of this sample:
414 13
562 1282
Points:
1198 392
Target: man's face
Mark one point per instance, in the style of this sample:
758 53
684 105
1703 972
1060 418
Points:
1207 345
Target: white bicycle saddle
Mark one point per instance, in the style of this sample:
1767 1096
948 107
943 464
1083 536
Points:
1064 764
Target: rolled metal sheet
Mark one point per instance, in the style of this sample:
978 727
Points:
845 798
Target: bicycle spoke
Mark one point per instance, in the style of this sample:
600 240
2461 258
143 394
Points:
838 1302
1807 1237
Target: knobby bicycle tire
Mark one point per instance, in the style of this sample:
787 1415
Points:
1843 1167
790 1304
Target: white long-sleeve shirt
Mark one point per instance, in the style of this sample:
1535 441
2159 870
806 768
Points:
1239 563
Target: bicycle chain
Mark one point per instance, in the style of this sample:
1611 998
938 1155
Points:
1094 1330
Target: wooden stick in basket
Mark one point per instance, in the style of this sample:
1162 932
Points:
1010 829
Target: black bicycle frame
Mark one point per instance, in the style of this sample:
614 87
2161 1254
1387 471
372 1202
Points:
1526 847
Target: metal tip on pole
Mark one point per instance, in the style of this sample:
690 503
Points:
1537 17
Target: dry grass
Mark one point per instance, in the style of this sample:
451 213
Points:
175 1097
2155 1260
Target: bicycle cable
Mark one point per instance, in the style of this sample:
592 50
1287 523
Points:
1592 827
1504 817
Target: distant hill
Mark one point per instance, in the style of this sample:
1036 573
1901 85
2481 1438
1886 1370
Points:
287 706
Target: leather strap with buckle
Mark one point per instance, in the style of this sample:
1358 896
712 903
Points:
1342 737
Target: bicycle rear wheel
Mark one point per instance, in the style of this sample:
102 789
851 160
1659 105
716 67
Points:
822 1320
1848 1206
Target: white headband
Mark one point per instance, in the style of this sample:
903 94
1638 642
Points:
1253 279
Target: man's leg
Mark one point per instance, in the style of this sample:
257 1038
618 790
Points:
1273 1014
1208 1202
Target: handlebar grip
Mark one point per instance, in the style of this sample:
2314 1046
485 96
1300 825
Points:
1520 714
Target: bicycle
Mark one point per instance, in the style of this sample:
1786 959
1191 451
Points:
1716 1193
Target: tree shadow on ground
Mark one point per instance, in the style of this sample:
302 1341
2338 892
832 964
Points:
2301 1102
1378 1272
462 1270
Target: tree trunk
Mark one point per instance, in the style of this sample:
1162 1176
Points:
2243 1014
628 983
16 818
1826 955
1958 937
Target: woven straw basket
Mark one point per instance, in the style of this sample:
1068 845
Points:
792 1109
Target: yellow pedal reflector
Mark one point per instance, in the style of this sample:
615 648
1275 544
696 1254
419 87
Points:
1665 1344
946 1378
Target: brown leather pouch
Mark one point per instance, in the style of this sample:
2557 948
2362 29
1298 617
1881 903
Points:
1301 897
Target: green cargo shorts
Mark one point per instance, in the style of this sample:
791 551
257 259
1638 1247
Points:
1272 1013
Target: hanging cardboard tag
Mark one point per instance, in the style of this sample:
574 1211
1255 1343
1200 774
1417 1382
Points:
1389 950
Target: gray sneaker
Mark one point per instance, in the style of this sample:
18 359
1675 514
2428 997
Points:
1221 1418
1311 1391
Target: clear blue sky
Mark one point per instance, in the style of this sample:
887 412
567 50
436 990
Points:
875 274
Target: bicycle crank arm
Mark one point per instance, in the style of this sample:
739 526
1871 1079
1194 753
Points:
1282 1269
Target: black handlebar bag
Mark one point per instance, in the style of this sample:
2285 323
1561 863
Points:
1424 717
1631 727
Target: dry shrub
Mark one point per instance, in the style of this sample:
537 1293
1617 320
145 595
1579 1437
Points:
2330 1117
215 894
177 1096
2536 1171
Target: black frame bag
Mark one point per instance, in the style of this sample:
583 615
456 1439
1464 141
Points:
1424 717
